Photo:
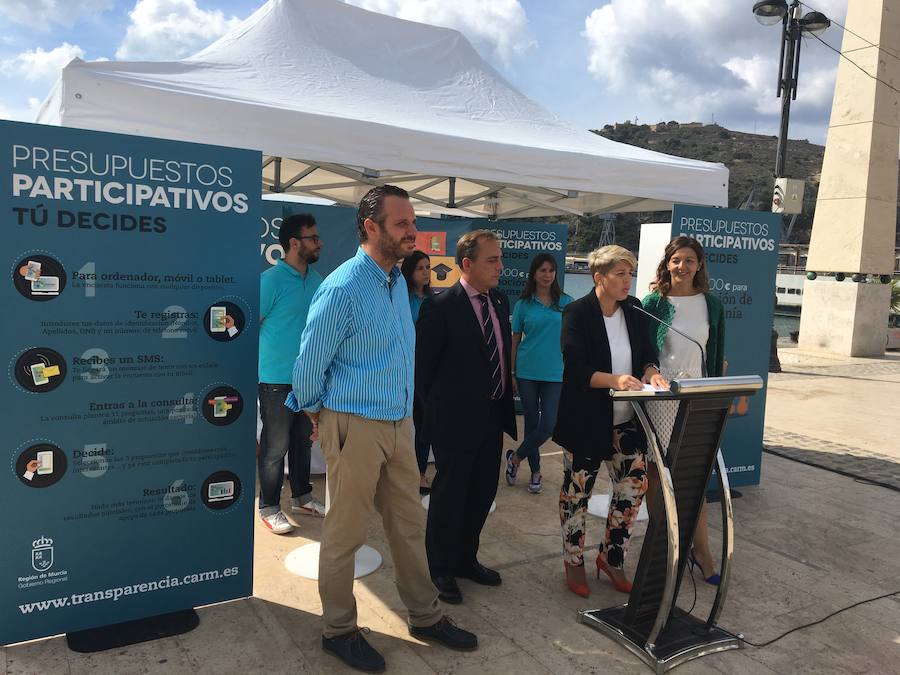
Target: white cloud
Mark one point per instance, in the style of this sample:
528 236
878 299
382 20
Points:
42 13
20 113
37 65
499 25
171 29
689 61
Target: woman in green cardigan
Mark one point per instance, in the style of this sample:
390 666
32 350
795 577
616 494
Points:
680 296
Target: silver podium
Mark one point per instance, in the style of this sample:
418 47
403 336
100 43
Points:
650 625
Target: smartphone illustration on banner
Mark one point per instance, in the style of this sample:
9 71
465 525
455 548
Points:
33 270
38 375
45 462
220 406
217 319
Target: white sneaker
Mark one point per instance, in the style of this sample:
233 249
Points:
311 508
277 522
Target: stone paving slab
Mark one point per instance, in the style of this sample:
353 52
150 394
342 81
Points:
860 463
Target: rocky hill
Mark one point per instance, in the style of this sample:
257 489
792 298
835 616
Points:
750 159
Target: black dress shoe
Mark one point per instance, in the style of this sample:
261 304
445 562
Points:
352 649
480 575
448 590
448 634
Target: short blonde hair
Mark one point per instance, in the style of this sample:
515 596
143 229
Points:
467 246
605 258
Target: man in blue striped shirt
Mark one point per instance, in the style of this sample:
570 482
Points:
354 378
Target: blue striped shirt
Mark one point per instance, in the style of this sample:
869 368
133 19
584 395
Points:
356 353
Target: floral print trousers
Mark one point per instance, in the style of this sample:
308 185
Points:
627 471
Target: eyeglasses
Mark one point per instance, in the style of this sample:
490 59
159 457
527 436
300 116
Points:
313 237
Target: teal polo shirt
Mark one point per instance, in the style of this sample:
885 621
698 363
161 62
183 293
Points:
284 298
539 356
415 304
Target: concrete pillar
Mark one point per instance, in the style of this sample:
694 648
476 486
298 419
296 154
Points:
855 225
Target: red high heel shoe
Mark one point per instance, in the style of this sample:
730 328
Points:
577 587
621 586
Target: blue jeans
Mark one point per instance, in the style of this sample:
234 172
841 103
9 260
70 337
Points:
284 432
540 401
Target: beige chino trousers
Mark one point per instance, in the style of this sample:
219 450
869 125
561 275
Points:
371 465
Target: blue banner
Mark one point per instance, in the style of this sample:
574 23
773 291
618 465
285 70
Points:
521 242
437 237
131 339
742 256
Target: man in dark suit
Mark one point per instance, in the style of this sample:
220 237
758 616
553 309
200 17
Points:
463 376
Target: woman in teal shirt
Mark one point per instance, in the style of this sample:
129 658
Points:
537 363
416 270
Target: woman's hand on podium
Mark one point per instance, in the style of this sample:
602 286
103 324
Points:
653 377
627 382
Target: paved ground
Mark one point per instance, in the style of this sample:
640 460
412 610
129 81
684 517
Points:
809 541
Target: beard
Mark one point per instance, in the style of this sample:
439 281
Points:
394 249
311 257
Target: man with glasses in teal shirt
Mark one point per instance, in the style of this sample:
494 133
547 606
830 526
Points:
286 291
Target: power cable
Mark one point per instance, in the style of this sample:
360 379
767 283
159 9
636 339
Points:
871 44
849 60
806 625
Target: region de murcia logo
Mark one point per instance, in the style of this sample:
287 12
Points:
42 554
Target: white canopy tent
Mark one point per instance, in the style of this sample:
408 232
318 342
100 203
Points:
339 99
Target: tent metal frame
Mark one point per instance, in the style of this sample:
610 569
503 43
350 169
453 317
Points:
444 195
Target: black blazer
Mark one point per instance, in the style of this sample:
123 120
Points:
584 423
453 373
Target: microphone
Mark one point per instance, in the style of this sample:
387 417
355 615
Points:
634 305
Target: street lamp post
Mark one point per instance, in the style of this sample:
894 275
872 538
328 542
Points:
794 26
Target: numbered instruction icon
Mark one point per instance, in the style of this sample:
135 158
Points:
224 321
222 406
39 278
40 370
41 465
221 490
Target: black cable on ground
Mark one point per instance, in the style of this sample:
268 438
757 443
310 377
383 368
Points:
848 474
806 625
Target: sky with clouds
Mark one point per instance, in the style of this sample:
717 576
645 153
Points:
592 62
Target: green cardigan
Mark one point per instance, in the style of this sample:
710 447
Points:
659 306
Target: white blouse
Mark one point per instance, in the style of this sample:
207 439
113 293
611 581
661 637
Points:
679 358
620 350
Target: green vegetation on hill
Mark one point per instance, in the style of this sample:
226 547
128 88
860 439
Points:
750 159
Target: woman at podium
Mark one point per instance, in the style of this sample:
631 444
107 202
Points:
605 345
680 296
